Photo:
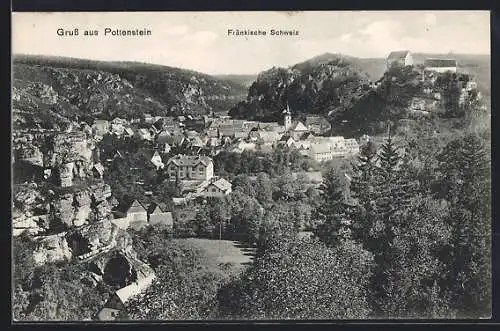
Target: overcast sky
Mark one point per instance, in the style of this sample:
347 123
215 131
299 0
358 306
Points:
199 41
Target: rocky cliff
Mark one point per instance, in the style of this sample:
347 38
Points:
341 89
313 88
54 156
80 243
43 208
52 91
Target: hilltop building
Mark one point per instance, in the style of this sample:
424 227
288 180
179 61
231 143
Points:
440 65
399 58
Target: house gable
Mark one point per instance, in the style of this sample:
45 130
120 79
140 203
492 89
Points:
299 126
136 207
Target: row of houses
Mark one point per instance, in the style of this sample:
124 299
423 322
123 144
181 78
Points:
228 127
316 147
136 216
224 133
295 134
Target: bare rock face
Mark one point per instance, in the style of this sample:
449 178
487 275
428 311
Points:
81 207
99 234
38 210
100 192
101 206
52 249
66 174
82 198
69 154
32 225
85 240
102 210
72 155
123 240
29 210
31 154
63 210
82 203
72 146
27 198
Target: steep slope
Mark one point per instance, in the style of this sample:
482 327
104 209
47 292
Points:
372 67
46 88
476 65
340 88
317 86
245 80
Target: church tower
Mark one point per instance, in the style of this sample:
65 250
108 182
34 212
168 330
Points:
287 117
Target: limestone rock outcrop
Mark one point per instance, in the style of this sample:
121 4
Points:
80 207
37 209
53 248
84 241
68 155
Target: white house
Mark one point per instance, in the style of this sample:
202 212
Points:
157 161
399 58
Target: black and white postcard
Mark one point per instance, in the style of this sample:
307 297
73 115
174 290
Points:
195 166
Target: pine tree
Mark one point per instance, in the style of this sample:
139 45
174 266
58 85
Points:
389 158
333 216
392 205
362 187
466 163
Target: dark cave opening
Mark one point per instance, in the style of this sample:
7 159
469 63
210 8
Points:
118 272
78 243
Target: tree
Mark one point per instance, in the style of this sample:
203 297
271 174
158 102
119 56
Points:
464 171
334 223
243 183
185 287
407 280
302 279
244 214
204 224
389 157
48 294
362 189
264 189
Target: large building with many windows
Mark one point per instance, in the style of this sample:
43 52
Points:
190 167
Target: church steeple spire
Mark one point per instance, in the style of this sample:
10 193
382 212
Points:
287 117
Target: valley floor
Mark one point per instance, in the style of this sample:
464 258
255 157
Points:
218 252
